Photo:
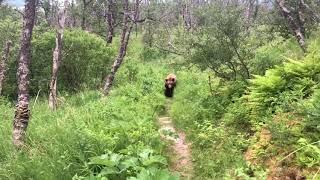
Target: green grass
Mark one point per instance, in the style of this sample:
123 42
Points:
59 144
217 149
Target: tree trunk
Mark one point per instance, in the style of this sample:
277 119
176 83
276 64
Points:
125 35
57 56
3 63
110 21
296 27
55 67
22 112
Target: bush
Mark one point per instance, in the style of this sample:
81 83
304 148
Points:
285 103
143 164
85 62
273 54
283 86
308 154
311 112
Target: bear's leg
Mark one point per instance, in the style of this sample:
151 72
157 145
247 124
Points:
168 92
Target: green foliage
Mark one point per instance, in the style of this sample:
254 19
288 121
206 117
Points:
311 111
283 86
61 145
85 62
152 173
274 53
238 118
247 172
285 102
219 46
115 137
9 30
309 155
120 166
206 115
86 59
151 54
7 13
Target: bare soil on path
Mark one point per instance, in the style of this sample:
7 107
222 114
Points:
181 161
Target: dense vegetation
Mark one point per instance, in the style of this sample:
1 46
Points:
248 130
247 95
88 132
86 50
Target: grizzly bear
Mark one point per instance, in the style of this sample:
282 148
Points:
170 84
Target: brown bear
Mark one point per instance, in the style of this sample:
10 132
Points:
170 84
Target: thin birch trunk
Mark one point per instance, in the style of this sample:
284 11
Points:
57 57
295 27
22 112
125 36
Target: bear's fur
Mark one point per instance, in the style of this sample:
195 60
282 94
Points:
170 84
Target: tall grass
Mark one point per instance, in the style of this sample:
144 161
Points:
59 144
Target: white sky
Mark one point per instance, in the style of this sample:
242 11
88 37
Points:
19 3
15 3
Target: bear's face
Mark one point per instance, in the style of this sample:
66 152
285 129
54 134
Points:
170 82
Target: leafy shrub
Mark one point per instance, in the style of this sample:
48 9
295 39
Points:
120 166
285 102
308 154
86 60
284 85
152 173
9 30
273 54
238 118
312 114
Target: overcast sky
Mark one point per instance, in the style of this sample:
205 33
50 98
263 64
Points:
16 3
20 3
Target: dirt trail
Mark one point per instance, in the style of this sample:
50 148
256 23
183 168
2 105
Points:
182 159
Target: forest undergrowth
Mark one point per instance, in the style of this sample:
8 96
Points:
246 104
262 129
90 136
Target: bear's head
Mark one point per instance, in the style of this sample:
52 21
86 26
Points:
170 82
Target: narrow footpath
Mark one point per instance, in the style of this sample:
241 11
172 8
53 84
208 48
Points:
181 154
